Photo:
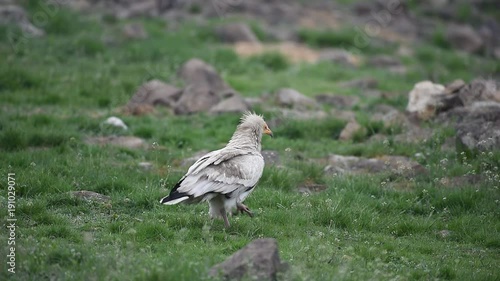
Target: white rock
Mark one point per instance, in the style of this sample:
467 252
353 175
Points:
422 99
117 122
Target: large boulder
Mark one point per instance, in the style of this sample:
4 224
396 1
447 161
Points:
206 91
199 73
153 93
477 126
196 98
258 260
479 90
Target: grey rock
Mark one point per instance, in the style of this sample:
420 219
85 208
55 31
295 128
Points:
302 114
233 102
235 32
339 56
293 99
339 164
458 94
259 260
414 134
346 115
464 37
198 72
337 101
153 93
478 127
351 129
135 31
479 90
134 9
390 116
454 87
196 98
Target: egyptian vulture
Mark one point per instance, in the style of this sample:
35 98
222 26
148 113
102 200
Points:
225 177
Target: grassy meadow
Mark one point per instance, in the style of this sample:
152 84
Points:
57 90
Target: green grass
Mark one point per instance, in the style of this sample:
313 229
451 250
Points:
56 91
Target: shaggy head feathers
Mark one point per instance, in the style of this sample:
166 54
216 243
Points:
251 119
249 131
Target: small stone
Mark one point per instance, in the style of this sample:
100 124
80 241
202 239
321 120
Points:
235 32
145 165
116 122
135 31
352 129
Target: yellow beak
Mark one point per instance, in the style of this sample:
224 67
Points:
268 132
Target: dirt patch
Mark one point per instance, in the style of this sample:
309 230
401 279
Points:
294 52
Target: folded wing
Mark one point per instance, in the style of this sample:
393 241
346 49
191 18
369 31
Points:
226 171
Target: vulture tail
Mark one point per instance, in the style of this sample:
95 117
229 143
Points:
174 197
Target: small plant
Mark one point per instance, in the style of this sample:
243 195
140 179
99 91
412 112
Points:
439 38
16 79
272 60
12 140
90 46
144 132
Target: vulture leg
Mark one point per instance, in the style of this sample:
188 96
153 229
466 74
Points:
224 216
244 209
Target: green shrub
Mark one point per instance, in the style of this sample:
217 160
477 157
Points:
311 130
14 78
90 46
272 60
144 132
11 140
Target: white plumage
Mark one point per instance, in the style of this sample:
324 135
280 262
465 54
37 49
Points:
225 177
